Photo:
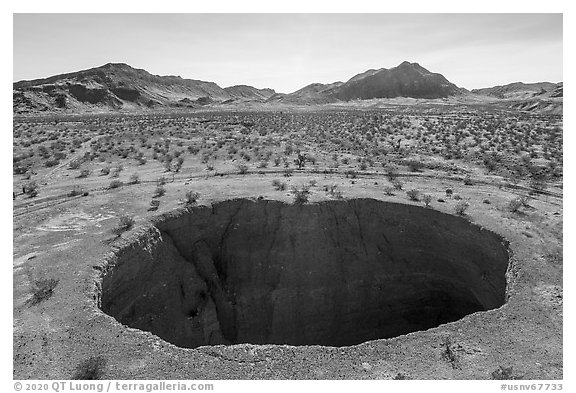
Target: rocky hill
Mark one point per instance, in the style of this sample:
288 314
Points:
406 80
117 86
517 90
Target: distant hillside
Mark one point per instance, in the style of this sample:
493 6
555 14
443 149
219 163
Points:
315 93
517 90
249 92
117 86
541 97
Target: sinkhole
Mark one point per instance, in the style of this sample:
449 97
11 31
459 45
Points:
333 273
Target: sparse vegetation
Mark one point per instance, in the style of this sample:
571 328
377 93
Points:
301 195
115 184
191 197
125 223
413 195
242 169
278 185
134 179
427 198
159 191
461 208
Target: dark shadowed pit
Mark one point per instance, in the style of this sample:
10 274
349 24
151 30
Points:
333 273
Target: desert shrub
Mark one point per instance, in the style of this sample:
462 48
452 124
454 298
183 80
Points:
75 164
278 185
391 172
449 193
191 197
43 289
301 195
414 165
538 184
161 180
468 180
243 169
90 369
413 194
116 172
333 191
159 191
514 205
84 173
461 208
115 184
352 174
51 163
134 179
30 189
389 190
20 169
397 184
125 223
154 203
427 198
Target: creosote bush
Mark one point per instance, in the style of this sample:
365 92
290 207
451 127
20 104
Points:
125 223
159 191
134 179
413 194
243 169
115 184
301 195
30 189
397 184
389 191
461 208
278 185
191 197
427 198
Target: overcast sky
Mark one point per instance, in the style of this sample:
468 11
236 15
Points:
288 51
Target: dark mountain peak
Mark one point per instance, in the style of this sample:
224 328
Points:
405 65
117 66
405 80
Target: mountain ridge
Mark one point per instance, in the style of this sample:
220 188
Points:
121 87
